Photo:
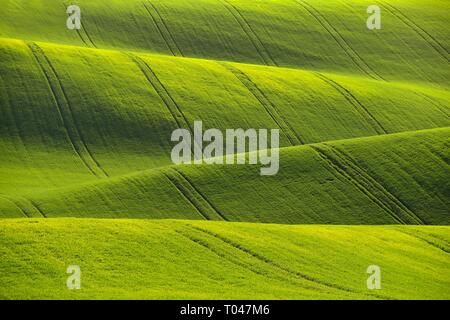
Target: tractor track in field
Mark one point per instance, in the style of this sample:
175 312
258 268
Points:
395 201
65 112
438 106
187 194
375 191
83 27
163 29
164 94
35 205
21 204
82 39
220 253
340 171
24 212
204 207
161 90
436 45
266 261
354 56
251 34
269 107
210 204
428 241
238 262
359 107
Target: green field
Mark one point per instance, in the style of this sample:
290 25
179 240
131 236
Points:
218 260
85 123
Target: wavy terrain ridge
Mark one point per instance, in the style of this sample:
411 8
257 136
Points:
85 123
359 186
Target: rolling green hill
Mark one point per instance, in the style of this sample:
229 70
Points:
86 118
399 178
57 120
319 35
204 260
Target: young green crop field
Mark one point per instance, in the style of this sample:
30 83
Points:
173 259
86 175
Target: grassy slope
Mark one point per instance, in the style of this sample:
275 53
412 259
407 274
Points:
177 259
50 128
319 35
401 178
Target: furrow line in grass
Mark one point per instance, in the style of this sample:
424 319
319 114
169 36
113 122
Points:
438 106
270 108
65 5
251 34
188 194
428 241
123 51
340 170
391 200
81 37
163 30
27 206
220 253
238 262
367 184
215 210
356 58
192 195
359 107
83 25
161 90
65 111
165 96
272 263
25 213
35 205
436 45
447 243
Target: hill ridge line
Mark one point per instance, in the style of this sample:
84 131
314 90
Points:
433 86
162 169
